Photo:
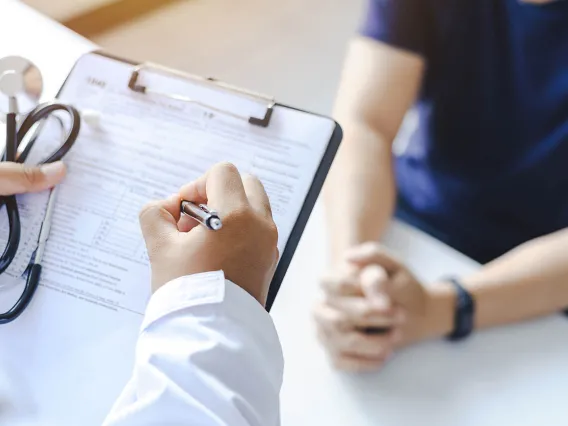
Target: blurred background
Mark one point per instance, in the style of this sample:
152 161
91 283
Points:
290 49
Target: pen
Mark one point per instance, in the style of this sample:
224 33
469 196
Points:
201 213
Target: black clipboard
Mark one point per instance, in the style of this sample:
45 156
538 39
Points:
319 177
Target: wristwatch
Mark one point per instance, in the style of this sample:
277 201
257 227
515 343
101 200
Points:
464 312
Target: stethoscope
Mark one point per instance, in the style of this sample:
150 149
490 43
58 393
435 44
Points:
21 84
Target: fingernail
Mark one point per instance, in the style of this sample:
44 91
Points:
53 169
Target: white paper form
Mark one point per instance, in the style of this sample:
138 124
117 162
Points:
95 284
146 148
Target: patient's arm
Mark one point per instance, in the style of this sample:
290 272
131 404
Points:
379 85
528 282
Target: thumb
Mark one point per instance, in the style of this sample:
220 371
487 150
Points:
18 178
373 283
406 291
373 253
160 218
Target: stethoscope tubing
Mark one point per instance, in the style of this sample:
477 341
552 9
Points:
14 138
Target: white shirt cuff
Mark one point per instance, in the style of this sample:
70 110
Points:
220 296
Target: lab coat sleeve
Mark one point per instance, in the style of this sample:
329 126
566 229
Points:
207 355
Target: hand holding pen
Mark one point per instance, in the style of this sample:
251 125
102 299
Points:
181 244
202 214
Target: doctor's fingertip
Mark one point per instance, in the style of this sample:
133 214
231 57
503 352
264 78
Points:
53 170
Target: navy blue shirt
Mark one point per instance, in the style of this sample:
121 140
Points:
487 168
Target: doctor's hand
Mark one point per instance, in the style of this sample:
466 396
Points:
19 178
245 248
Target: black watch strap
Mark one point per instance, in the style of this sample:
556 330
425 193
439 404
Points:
464 312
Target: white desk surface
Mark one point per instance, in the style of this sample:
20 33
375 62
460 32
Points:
516 375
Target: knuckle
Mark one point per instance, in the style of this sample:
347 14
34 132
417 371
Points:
147 210
367 312
343 364
375 347
31 175
338 322
239 216
328 318
352 341
371 247
272 233
275 259
227 167
247 177
328 282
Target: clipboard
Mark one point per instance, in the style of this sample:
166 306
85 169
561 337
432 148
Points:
264 120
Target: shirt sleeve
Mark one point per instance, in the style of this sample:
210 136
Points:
208 354
406 24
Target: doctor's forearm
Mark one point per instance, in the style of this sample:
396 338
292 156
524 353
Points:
360 190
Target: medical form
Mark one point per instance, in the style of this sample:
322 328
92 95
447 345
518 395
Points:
145 148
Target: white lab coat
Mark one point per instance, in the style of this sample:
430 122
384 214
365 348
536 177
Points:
207 355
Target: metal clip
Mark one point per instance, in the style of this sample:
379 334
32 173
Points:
135 86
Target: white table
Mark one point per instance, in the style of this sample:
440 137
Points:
516 375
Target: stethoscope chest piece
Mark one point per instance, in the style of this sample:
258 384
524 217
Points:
20 79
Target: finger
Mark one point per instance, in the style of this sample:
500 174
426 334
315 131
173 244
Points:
186 223
221 188
330 319
195 191
374 280
393 333
373 253
349 344
257 196
357 364
361 313
343 282
365 345
20 178
160 218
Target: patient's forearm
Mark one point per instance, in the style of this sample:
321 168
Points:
360 190
528 282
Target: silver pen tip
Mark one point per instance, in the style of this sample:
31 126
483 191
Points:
216 224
